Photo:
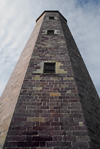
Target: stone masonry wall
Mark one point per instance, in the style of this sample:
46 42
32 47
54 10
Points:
10 95
88 96
48 112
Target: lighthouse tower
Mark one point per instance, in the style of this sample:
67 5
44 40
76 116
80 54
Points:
50 100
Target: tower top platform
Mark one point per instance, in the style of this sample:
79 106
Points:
50 11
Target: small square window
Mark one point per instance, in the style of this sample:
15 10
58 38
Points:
50 32
49 67
51 18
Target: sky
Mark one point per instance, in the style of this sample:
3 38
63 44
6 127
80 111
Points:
18 19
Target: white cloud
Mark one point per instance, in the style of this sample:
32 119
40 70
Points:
18 20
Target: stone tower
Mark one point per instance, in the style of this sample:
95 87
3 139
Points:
50 100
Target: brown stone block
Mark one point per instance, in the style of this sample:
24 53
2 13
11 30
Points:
59 144
16 138
56 115
42 138
33 119
44 124
80 144
57 132
55 94
44 133
28 144
31 133
57 138
36 128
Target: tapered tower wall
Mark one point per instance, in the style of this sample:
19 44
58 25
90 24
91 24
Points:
11 93
53 110
87 93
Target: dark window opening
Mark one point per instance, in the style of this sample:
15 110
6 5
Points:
49 67
50 32
51 18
